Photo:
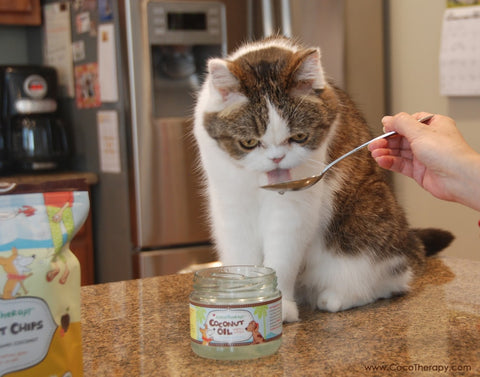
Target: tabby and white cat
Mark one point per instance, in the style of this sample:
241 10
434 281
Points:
266 114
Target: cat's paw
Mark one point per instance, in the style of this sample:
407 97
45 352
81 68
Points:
332 302
289 311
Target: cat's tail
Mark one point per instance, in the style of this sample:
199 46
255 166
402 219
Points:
434 239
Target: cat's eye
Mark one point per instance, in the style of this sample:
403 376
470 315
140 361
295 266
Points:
249 143
299 138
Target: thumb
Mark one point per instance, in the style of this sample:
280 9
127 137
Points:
403 123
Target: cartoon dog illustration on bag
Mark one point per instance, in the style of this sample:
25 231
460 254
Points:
16 267
59 223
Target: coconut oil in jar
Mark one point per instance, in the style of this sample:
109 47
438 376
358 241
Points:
235 313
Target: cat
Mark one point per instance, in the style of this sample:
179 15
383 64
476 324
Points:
267 113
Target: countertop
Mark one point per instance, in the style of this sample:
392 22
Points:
141 328
90 178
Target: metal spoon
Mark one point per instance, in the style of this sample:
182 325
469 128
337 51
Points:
304 183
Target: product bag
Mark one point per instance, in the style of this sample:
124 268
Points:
40 329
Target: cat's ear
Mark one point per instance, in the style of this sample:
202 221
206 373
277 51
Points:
309 73
222 79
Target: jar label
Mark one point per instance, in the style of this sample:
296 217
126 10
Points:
236 325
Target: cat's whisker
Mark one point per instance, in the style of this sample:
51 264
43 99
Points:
316 162
302 99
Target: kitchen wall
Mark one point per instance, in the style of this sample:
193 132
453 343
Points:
413 55
20 45
13 36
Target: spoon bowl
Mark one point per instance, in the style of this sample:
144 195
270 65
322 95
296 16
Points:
304 183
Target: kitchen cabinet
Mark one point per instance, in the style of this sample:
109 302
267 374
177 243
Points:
82 243
20 12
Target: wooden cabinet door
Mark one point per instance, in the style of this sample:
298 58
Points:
20 12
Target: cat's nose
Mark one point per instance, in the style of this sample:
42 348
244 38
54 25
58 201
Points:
278 159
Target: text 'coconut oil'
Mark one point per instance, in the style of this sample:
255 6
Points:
235 313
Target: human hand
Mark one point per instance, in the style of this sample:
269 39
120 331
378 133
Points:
435 155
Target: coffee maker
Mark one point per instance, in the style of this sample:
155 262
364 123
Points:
33 138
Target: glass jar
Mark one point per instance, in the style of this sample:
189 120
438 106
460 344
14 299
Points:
235 313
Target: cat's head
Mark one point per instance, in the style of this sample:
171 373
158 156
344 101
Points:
269 105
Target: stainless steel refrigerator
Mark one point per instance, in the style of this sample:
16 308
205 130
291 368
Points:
150 217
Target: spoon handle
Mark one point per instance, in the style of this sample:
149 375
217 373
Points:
421 120
357 149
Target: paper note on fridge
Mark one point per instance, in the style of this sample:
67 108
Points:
107 63
57 45
460 52
108 141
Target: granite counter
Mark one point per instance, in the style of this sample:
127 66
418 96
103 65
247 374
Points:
35 178
141 328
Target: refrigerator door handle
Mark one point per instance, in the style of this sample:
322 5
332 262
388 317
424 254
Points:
286 15
267 21
268 18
